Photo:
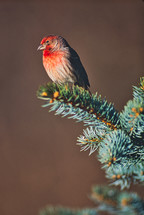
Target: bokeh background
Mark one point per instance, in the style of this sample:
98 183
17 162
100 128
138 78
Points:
40 163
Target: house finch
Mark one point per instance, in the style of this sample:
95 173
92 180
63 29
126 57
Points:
62 63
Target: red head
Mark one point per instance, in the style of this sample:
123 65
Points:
52 43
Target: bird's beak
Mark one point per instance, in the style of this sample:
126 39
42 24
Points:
41 47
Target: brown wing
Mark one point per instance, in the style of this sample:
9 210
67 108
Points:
78 69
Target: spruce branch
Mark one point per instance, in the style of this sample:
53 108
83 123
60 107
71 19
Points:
126 174
132 118
121 175
138 92
115 148
49 210
108 200
78 103
118 137
91 138
115 202
138 175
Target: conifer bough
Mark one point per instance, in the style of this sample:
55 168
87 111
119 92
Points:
118 137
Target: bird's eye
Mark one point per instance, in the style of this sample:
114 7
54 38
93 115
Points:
47 41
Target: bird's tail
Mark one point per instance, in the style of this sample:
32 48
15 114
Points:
87 87
89 91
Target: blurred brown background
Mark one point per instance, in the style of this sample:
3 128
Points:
39 161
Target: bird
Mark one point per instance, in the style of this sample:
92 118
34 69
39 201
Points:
62 63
